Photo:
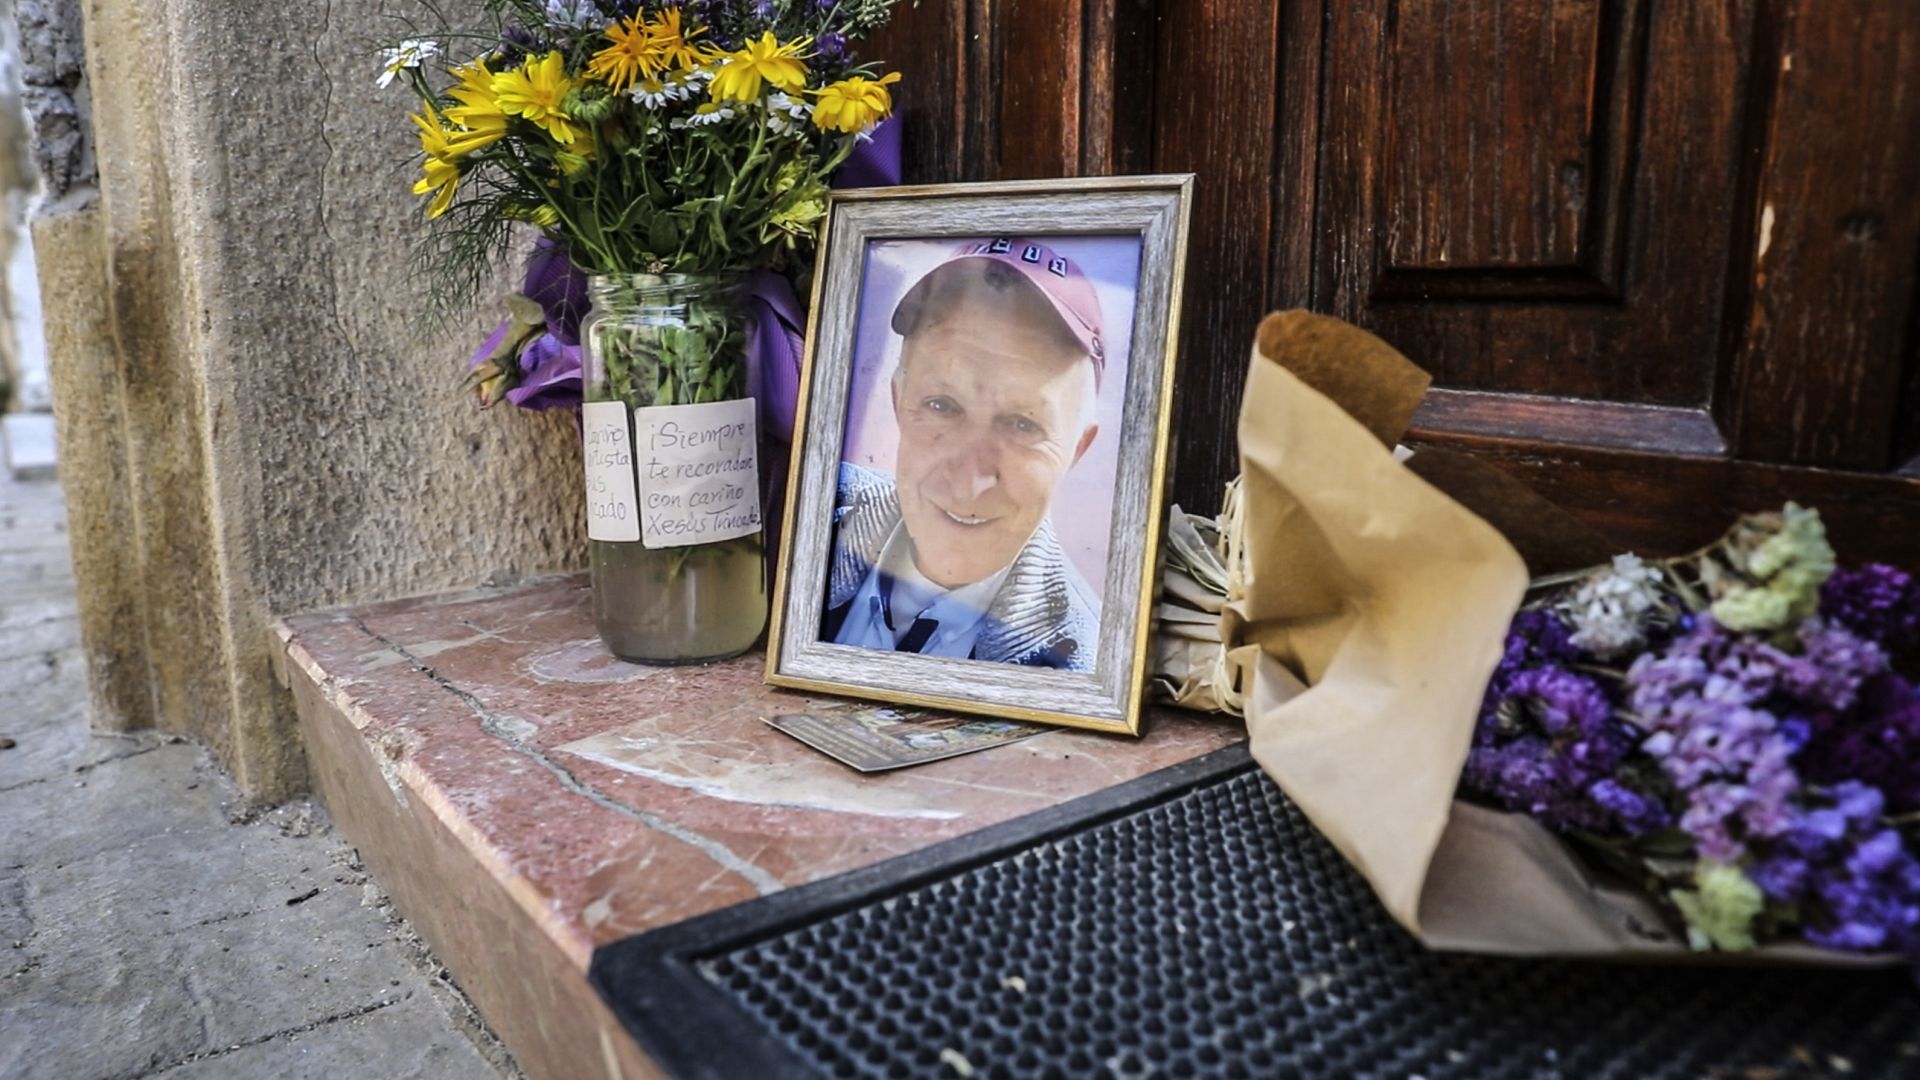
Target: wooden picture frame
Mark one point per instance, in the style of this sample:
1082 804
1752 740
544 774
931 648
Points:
988 432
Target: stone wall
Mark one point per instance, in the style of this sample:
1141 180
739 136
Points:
250 424
54 87
23 378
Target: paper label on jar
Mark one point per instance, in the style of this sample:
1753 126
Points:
613 510
699 472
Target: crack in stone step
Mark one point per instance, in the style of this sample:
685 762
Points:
500 728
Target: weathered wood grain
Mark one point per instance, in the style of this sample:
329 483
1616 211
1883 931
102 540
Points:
1608 424
1667 504
1215 101
1040 76
1833 248
929 43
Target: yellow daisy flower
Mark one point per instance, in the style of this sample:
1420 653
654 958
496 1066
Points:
474 81
676 47
478 112
442 177
764 61
634 54
853 104
537 92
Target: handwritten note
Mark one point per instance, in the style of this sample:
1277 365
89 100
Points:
699 473
613 510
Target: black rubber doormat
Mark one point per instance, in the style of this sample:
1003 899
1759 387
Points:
1192 923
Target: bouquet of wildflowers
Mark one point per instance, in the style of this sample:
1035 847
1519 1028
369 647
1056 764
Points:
640 137
1727 728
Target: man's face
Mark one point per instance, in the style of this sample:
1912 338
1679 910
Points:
992 411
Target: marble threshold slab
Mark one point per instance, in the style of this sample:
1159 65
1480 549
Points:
524 797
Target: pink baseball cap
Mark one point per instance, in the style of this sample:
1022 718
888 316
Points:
1054 275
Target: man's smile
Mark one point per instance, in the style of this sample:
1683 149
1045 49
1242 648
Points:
968 520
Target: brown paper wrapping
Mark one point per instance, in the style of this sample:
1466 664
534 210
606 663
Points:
1387 598
1374 611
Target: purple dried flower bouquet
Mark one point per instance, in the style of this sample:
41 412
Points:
1728 729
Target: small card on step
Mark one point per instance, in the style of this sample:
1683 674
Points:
877 739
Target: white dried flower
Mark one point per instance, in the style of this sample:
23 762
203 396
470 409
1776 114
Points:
408 54
1609 611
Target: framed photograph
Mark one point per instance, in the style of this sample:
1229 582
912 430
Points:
975 504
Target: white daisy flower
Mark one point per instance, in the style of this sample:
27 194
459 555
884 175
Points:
659 93
796 108
787 115
711 112
408 54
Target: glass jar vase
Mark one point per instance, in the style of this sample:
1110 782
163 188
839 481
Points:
673 493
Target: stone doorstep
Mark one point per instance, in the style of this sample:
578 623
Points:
524 797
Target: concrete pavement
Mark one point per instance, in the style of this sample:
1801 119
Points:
154 925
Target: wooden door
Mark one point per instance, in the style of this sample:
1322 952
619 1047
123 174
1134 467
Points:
1663 258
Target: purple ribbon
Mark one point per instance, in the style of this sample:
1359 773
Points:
549 362
559 289
549 375
875 161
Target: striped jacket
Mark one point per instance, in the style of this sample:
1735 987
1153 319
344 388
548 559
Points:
1044 615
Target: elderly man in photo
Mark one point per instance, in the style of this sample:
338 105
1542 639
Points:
1001 357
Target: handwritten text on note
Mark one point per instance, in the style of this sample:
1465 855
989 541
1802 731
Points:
613 511
699 473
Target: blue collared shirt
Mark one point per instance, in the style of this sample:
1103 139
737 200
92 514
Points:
895 593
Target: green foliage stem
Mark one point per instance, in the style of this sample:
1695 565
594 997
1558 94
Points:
666 340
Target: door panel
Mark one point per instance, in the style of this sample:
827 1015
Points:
1499 182
1588 257
1663 259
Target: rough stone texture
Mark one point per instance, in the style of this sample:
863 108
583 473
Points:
526 797
151 923
266 432
53 76
92 438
